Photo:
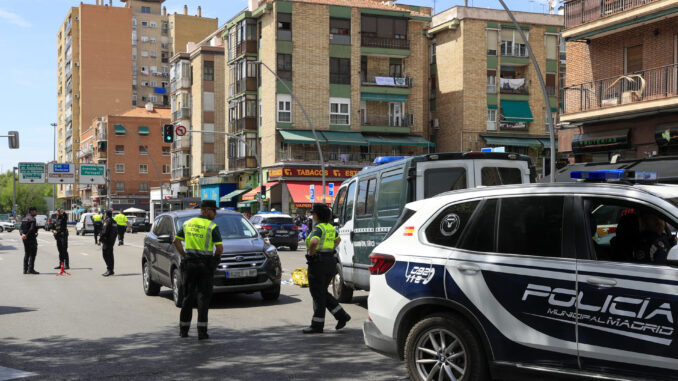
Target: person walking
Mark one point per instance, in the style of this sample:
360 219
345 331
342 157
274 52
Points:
322 267
61 235
29 235
98 221
121 221
107 241
201 236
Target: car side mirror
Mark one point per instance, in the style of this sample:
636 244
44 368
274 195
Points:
672 258
165 238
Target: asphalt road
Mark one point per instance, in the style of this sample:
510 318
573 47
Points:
85 326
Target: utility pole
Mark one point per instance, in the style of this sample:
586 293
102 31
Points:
108 188
54 125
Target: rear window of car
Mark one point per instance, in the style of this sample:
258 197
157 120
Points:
500 176
278 220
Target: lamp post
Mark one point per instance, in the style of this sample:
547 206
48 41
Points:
547 106
315 135
54 125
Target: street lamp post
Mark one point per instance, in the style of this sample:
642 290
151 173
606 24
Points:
54 125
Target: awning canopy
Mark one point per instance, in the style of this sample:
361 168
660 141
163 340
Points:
301 192
143 131
251 195
383 97
398 141
301 136
516 111
345 138
512 142
235 193
119 129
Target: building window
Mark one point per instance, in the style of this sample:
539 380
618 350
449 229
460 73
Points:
492 81
143 150
119 186
144 23
208 133
285 26
340 111
153 53
284 108
284 66
551 46
260 115
120 149
153 24
165 169
492 42
119 168
340 71
143 187
153 84
165 151
144 38
208 71
633 59
143 168
491 119
154 98
145 9
340 31
383 28
512 44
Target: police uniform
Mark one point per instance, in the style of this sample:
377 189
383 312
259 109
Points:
61 236
107 241
200 235
97 220
322 267
121 221
30 229
654 248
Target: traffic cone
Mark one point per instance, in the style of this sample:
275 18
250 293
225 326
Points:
62 271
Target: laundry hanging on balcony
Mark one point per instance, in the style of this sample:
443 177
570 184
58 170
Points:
512 83
384 81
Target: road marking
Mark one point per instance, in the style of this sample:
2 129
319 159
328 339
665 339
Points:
84 253
9 373
133 245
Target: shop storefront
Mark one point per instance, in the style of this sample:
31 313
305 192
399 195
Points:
601 146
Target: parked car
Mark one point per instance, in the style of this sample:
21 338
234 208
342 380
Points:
279 228
85 224
248 263
6 226
138 224
51 222
41 221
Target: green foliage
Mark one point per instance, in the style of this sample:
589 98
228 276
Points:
26 195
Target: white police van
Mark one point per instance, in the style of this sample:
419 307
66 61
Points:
368 204
576 279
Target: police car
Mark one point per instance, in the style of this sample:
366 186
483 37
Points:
503 280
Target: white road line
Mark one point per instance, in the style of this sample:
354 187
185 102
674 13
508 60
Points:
133 245
84 253
9 373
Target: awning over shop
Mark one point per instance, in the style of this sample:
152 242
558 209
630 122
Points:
383 97
251 195
547 143
228 197
301 192
398 141
601 141
512 142
301 136
516 111
345 138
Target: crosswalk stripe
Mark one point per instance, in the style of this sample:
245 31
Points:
9 373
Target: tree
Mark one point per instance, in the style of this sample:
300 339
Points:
27 195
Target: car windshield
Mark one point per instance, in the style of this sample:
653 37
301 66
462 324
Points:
278 220
231 226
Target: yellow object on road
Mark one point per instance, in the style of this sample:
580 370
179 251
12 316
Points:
300 277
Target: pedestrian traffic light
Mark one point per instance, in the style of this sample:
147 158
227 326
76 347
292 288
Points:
263 192
168 133
13 139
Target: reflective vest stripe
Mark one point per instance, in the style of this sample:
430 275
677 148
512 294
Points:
210 227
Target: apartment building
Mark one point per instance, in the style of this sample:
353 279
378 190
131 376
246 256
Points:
621 88
485 91
130 144
358 68
93 76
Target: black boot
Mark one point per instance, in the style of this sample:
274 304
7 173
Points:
58 267
183 332
202 334
66 265
341 323
312 330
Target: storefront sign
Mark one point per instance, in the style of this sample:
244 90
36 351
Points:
600 142
513 126
311 172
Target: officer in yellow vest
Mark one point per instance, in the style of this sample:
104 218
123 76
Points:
121 221
98 221
201 235
322 267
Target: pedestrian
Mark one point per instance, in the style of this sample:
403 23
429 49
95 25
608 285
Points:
200 235
322 267
299 220
29 235
97 220
107 241
121 221
309 220
655 241
61 235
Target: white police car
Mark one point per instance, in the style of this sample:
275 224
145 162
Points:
577 279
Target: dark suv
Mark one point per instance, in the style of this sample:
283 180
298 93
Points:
279 228
248 264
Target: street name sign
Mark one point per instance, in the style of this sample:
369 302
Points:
60 173
312 192
92 174
31 173
331 189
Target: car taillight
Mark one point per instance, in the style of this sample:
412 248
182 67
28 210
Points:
267 227
381 263
295 227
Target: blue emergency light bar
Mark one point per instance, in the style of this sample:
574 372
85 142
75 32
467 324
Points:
613 175
387 159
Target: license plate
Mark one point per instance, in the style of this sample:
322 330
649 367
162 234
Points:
241 273
282 231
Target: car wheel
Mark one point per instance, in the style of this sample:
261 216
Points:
272 293
1 229
150 287
294 247
177 290
443 347
340 290
77 232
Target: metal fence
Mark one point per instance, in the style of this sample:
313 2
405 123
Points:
578 12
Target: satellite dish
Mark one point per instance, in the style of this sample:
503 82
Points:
552 6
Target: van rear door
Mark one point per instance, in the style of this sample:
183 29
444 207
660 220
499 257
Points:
436 177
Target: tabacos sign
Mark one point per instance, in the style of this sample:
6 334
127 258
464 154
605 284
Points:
311 172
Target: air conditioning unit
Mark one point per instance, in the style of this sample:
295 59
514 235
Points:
76 96
436 124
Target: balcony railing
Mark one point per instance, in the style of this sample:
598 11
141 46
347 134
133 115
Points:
520 90
235 164
387 80
182 172
245 47
387 43
239 125
388 120
343 157
578 12
650 84
183 143
183 112
212 168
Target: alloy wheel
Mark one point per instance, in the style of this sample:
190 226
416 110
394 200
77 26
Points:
440 355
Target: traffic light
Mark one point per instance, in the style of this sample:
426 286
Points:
13 139
168 133
263 192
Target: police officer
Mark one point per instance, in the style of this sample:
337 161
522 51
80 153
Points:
61 235
655 241
201 235
98 221
121 221
29 235
107 241
322 267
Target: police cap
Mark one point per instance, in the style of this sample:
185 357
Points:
210 204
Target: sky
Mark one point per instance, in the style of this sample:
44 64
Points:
28 31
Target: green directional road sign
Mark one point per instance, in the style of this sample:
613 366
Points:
92 174
31 173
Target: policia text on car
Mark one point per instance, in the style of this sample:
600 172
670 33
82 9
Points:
201 235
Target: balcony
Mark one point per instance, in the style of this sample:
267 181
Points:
239 125
342 157
387 80
385 43
629 93
182 113
513 86
184 143
212 168
181 173
578 12
381 121
238 163
102 134
245 47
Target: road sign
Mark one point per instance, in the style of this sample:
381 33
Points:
312 191
92 174
330 190
181 130
31 173
60 173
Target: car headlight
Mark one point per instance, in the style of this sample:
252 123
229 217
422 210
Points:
271 252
